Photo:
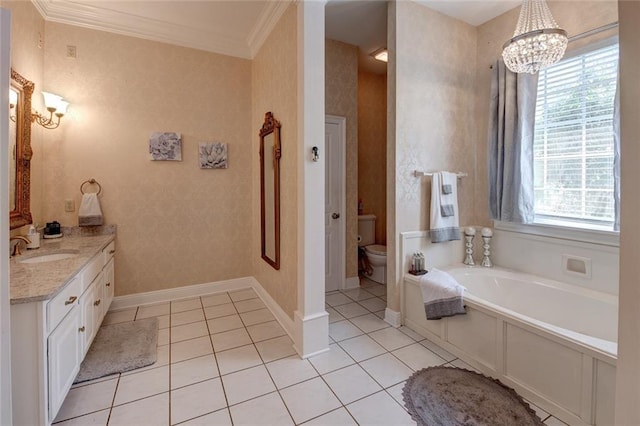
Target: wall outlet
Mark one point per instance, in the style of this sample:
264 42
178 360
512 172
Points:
69 206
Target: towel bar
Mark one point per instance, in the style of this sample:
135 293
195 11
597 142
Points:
91 182
418 173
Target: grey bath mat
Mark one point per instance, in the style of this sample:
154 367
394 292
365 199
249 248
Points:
445 396
120 347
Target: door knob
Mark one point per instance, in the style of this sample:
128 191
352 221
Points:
335 215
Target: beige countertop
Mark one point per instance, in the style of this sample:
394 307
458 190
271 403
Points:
42 281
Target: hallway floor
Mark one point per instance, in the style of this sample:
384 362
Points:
224 360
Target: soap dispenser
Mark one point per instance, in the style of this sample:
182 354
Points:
34 236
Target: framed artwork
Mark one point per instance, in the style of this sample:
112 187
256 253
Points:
213 155
165 146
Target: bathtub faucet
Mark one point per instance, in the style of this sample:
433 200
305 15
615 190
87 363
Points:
486 238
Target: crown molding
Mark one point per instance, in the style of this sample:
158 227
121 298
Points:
86 16
268 19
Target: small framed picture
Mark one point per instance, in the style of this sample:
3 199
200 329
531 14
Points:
165 146
213 155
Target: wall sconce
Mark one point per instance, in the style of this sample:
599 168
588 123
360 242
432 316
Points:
381 54
56 106
13 100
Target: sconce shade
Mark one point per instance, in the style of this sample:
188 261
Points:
54 104
13 97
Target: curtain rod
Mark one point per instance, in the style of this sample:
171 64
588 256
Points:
588 33
594 31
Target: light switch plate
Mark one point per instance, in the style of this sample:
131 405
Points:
69 206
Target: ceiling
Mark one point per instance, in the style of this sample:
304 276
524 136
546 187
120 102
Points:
239 27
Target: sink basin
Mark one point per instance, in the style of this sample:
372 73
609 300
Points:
50 256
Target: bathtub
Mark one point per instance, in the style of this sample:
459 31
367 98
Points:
555 343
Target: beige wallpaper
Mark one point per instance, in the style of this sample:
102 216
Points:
341 99
372 148
27 58
274 82
491 37
177 224
434 118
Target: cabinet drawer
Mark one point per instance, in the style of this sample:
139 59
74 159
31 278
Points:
108 252
60 305
91 271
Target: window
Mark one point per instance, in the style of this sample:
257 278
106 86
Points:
573 140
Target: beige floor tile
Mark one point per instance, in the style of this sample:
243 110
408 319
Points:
256 317
157 310
332 360
187 317
185 305
265 410
219 310
193 370
237 296
362 347
247 384
289 371
189 331
191 349
273 349
148 411
195 400
379 409
217 418
221 324
230 339
215 299
309 399
97 418
87 399
142 385
351 383
249 305
266 330
238 359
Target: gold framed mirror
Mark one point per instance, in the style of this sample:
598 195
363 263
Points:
270 153
20 151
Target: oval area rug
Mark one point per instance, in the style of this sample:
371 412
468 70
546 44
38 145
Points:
447 396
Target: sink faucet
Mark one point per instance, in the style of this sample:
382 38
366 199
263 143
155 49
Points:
14 244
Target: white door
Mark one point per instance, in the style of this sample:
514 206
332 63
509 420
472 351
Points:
335 231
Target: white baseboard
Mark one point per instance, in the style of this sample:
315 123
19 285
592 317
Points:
392 317
311 335
281 316
352 282
158 296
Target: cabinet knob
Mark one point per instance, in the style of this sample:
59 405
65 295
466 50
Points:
71 300
81 329
108 284
111 251
96 303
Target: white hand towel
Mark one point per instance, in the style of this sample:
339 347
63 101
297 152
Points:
90 213
445 225
442 295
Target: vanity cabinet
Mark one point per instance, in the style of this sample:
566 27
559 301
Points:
50 338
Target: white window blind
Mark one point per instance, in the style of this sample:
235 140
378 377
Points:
573 139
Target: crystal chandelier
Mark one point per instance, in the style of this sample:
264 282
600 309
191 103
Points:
537 41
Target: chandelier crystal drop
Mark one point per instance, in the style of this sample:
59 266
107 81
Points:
537 41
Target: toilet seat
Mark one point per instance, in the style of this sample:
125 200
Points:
378 249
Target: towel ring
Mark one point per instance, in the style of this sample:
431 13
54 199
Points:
91 182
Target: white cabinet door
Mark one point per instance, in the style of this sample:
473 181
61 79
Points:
91 304
109 284
64 358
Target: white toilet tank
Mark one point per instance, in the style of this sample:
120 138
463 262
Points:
366 229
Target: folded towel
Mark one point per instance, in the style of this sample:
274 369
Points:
445 225
90 213
442 295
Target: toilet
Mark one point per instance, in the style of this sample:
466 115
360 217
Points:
377 254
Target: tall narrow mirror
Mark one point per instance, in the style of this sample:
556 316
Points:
20 150
270 190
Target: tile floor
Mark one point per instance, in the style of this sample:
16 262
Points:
223 359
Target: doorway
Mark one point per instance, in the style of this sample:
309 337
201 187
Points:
335 200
